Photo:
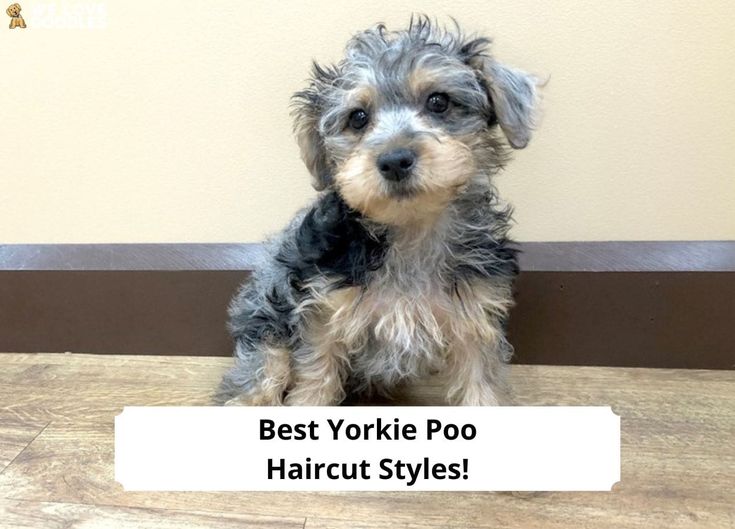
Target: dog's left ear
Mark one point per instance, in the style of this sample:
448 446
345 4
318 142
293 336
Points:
515 98
307 108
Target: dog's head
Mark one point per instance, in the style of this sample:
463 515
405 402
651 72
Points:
13 10
407 118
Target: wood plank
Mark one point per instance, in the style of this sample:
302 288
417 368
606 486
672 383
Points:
15 435
95 387
33 515
678 465
338 523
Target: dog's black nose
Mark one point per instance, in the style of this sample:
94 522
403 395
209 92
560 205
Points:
396 165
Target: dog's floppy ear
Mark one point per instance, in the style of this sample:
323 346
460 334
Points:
308 106
515 99
514 95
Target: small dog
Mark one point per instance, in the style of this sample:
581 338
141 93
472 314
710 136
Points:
16 20
402 266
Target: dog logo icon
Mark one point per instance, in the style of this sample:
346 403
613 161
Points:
16 21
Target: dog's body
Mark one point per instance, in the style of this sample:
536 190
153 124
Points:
402 265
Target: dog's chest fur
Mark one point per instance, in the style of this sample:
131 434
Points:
395 303
410 313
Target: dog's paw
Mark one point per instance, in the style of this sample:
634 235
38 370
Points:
254 399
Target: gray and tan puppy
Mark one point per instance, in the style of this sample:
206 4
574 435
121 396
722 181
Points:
402 266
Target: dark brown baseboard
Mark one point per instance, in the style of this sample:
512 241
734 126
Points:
638 304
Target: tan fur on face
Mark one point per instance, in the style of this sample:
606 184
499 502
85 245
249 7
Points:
360 97
420 81
444 166
423 81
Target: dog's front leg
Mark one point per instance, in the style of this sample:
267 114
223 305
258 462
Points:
318 373
260 376
476 371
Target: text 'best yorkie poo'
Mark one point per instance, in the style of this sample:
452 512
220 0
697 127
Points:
402 266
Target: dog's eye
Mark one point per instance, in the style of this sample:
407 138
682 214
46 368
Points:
358 119
437 103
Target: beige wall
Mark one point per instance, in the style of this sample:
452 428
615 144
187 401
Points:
172 125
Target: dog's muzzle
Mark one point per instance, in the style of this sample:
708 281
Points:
396 165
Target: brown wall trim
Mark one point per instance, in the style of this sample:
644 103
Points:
117 312
618 304
109 257
628 256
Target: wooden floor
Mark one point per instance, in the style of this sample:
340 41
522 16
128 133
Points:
56 454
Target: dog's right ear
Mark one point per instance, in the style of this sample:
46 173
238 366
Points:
308 106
